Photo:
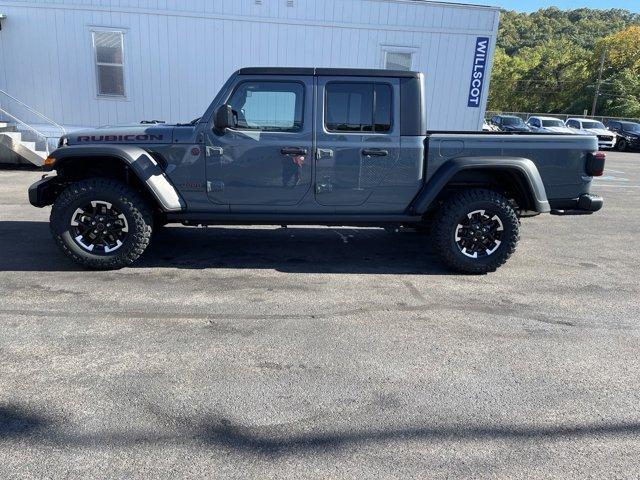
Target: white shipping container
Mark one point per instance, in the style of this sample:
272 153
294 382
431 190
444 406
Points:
99 62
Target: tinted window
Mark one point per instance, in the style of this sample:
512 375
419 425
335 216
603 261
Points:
512 121
358 107
268 106
552 123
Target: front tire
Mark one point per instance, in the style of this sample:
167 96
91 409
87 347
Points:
475 231
622 145
101 224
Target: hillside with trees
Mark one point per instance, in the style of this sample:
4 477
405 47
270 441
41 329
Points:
549 61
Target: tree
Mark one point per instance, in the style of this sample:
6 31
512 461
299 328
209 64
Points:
548 61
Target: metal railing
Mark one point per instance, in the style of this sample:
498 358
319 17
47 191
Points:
561 116
46 137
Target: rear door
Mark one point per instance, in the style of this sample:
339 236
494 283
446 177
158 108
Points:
358 137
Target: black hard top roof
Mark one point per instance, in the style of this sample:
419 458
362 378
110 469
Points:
343 72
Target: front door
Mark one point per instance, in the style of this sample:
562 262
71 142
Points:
264 158
358 137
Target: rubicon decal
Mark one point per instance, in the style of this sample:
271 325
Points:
119 138
478 71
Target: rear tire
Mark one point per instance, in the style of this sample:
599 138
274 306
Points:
475 231
101 224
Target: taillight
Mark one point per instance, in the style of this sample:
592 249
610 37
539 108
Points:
595 164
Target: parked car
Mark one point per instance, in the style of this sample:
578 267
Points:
606 138
488 127
345 147
509 123
547 125
628 134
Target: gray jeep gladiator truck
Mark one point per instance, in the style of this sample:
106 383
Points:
312 146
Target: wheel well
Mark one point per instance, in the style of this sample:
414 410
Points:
510 183
74 169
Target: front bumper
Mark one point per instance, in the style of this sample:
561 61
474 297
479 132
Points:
586 204
43 192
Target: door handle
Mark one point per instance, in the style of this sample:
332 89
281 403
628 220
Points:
374 152
293 151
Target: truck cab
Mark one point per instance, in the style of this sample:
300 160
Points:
312 146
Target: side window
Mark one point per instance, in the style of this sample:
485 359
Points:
358 107
108 48
534 122
614 126
268 106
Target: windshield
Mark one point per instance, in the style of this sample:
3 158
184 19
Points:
552 123
512 121
588 125
631 127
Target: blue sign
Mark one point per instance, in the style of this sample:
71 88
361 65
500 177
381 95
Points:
478 72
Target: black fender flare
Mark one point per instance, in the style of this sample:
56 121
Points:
141 163
521 166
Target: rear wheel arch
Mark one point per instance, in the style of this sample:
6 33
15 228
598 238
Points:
515 178
509 182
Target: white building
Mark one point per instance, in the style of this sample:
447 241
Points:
98 62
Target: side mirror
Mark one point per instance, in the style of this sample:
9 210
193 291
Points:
223 118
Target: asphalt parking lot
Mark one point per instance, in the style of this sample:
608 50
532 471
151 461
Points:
323 353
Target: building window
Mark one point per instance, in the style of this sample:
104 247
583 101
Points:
268 106
398 61
108 46
358 107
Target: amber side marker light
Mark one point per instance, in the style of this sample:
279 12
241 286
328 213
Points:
48 162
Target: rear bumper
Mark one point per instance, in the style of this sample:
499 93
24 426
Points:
586 204
43 192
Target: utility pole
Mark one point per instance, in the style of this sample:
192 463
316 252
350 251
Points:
595 98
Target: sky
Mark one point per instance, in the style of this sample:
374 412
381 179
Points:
531 5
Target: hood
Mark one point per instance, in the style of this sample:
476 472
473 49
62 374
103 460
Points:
135 134
558 130
600 131
516 128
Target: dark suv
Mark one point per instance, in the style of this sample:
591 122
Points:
628 134
509 123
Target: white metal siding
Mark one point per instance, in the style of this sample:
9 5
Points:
179 52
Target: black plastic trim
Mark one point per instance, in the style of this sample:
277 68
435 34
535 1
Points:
336 219
333 72
42 193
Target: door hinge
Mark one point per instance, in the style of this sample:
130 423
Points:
324 153
215 186
215 151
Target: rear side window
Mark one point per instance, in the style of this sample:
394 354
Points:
358 107
268 106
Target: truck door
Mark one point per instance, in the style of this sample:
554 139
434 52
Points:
264 159
358 137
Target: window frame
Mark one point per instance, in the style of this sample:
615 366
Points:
96 64
360 82
258 80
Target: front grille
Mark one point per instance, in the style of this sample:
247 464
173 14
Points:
605 138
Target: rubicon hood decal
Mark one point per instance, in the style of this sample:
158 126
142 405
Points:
126 134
